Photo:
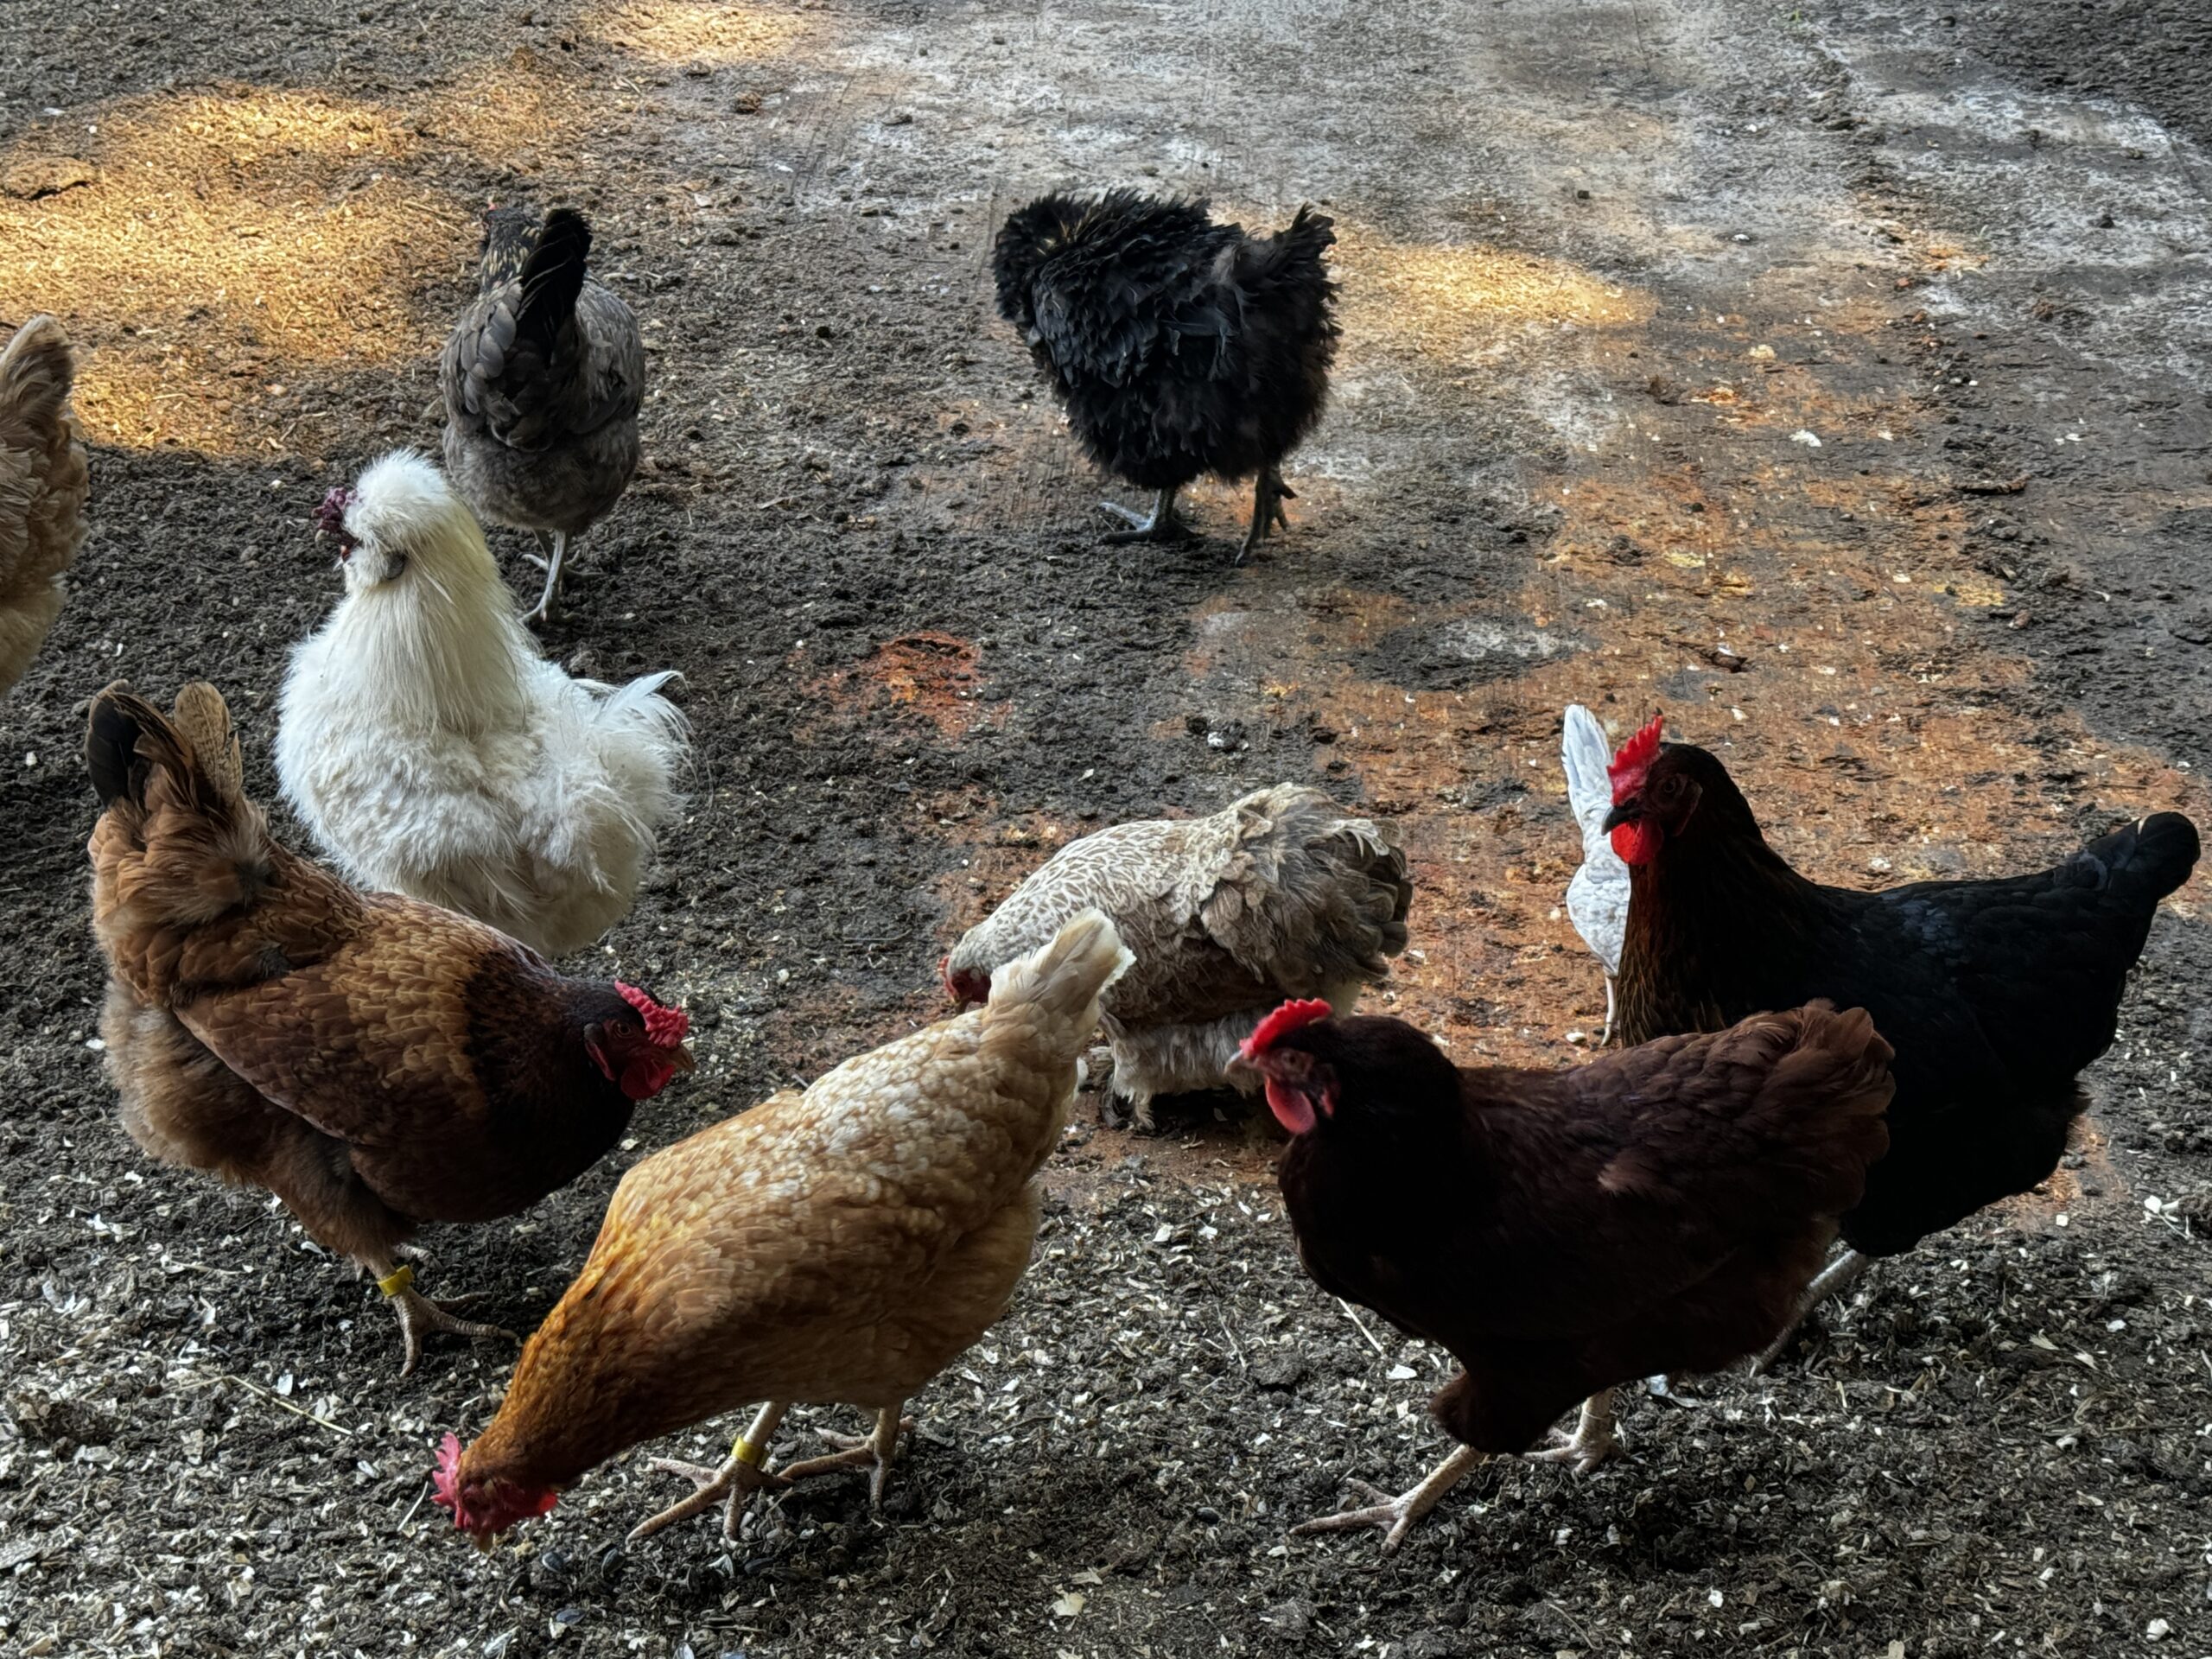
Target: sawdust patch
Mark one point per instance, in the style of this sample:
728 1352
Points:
228 244
688 32
1464 303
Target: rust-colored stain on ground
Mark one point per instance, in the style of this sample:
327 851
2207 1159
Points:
1796 610
929 676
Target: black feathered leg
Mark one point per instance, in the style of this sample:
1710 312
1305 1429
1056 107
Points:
1269 494
1162 526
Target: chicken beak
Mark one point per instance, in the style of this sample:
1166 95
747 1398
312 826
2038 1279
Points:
681 1059
1626 812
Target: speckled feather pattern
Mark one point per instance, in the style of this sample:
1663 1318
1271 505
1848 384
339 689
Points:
1279 895
43 486
841 1245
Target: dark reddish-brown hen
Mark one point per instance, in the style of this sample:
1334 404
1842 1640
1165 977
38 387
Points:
1660 1209
374 1062
1996 993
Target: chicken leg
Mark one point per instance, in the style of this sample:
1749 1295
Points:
1591 1444
418 1313
871 1452
1837 1275
557 543
1269 494
1394 1517
739 1477
1162 526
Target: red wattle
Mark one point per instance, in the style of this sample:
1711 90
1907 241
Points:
1636 842
1291 1109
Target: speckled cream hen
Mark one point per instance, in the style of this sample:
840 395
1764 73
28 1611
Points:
1279 895
842 1244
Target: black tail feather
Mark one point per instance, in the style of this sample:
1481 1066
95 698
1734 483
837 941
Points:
2157 852
553 277
111 743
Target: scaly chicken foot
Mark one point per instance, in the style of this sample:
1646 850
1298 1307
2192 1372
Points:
1269 494
1394 1517
418 1313
740 1475
1592 1441
871 1452
557 546
1162 526
1137 1120
1839 1276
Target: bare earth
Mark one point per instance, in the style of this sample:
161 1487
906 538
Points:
1831 378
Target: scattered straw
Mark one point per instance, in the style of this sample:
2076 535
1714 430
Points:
692 32
1464 301
225 244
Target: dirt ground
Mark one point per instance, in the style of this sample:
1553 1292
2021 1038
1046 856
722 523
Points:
1831 378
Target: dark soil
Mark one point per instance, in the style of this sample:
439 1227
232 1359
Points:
1606 270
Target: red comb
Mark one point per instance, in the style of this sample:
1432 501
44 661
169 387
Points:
1633 760
664 1027
445 1479
1284 1020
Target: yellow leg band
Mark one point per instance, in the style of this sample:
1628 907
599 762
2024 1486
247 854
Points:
397 1281
745 1451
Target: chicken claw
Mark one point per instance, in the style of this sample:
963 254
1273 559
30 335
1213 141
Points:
736 1479
549 602
871 1452
418 1313
1162 526
1591 1444
739 1477
1837 1276
1269 494
1394 1517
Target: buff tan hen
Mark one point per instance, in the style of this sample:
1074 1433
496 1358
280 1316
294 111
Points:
842 1244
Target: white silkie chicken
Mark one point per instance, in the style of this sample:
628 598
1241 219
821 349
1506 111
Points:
1597 898
433 752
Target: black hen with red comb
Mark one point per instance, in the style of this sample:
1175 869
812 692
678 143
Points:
1996 993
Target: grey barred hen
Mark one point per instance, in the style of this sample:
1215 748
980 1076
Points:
1180 346
543 379
42 490
1278 895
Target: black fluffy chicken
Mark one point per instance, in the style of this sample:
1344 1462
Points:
1179 346
543 379
1997 994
